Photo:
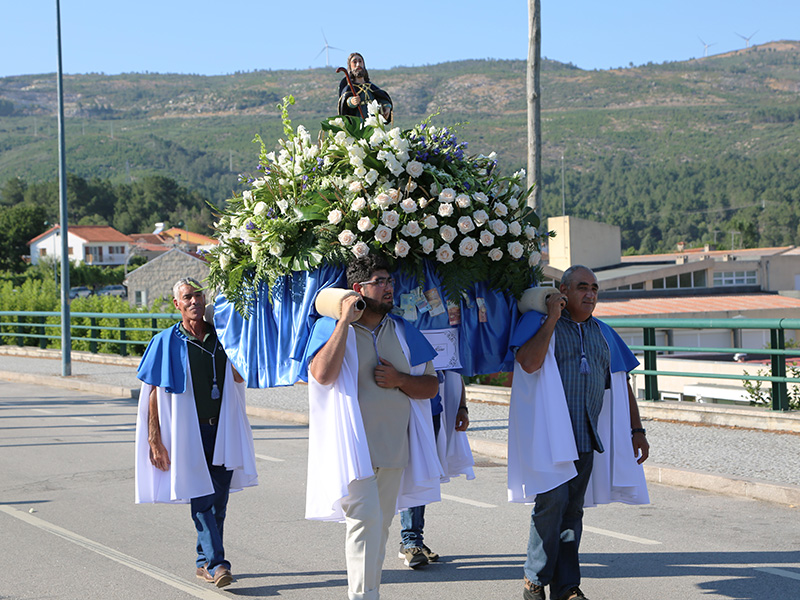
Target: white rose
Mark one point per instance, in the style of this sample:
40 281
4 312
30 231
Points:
355 186
401 248
393 194
514 228
412 228
468 246
447 233
408 205
530 232
390 218
480 197
445 254
534 259
465 225
260 209
499 227
480 217
514 203
445 210
347 237
383 200
360 250
515 249
462 201
358 204
500 209
411 186
276 248
414 168
487 238
335 216
447 195
364 224
495 254
383 234
423 202
427 244
430 222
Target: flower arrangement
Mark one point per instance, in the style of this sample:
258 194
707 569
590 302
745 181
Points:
360 188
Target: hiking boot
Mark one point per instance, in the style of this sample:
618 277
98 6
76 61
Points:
573 594
429 554
531 591
413 557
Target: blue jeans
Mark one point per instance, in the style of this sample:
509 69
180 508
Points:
555 534
208 512
412 520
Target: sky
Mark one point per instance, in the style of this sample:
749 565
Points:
221 37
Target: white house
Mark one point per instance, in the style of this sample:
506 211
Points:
90 244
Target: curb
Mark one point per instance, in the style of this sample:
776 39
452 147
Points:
71 383
709 482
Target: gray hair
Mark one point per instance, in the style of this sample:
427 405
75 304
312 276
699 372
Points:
176 289
566 278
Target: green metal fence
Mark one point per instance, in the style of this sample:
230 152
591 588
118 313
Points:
777 351
112 332
118 332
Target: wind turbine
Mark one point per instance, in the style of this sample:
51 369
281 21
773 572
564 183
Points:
705 46
325 49
747 39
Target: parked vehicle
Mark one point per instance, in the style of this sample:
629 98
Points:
79 291
113 290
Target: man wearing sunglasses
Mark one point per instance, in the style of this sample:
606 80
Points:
370 380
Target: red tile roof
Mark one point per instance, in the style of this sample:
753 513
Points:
90 233
642 307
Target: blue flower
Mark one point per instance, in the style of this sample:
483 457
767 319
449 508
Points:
250 226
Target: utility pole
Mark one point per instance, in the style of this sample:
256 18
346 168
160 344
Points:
66 339
563 195
534 105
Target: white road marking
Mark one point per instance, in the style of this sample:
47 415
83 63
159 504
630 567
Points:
779 572
468 501
621 536
110 553
269 458
86 419
43 410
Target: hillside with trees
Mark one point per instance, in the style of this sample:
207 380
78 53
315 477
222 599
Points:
681 151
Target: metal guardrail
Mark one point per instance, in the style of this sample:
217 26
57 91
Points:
777 351
85 327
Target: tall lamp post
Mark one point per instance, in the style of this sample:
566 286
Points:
66 339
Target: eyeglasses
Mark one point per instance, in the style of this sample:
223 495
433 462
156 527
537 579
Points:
380 282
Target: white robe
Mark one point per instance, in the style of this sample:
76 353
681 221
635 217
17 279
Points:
337 444
188 475
541 443
455 455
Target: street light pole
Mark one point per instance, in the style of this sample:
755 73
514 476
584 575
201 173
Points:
66 339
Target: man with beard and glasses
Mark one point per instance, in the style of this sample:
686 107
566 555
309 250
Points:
355 105
372 449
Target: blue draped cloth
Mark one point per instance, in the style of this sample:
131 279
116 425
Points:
267 348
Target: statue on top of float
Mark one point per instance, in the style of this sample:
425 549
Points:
356 91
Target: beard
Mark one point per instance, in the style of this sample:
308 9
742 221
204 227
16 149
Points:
360 72
382 308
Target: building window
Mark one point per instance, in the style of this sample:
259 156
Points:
693 279
70 250
726 278
140 297
42 251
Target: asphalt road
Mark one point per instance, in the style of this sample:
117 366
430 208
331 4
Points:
71 530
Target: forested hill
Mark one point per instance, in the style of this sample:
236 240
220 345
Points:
671 152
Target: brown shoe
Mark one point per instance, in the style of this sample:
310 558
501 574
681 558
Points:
202 573
532 591
222 576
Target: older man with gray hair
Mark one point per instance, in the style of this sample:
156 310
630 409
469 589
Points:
193 440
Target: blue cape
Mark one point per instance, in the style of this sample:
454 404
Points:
164 361
419 347
622 359
268 348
